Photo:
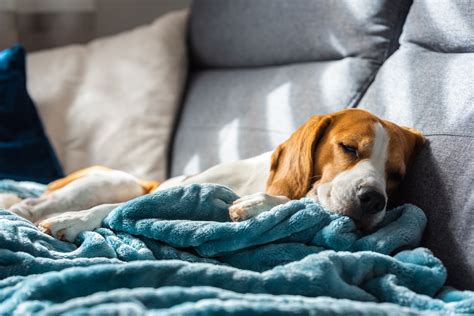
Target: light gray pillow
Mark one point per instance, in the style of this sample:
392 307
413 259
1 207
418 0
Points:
113 101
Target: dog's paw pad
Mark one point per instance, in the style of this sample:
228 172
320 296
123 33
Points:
45 228
61 234
65 226
237 213
51 228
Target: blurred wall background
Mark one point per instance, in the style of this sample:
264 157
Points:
40 24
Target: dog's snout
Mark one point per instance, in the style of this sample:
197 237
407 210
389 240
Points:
371 201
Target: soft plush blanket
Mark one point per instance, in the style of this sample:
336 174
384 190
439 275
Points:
176 251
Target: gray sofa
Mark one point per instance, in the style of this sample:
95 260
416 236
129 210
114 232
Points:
261 68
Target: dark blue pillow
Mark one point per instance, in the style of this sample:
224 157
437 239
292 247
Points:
25 152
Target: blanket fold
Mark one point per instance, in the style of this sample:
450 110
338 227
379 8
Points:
181 241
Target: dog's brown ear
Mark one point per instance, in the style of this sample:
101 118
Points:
420 140
415 138
292 163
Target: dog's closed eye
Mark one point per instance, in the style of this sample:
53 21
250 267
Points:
351 150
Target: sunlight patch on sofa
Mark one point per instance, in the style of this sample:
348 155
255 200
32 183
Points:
229 141
193 165
279 113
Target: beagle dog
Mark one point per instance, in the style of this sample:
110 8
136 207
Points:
349 161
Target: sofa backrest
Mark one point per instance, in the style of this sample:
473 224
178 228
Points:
428 83
261 68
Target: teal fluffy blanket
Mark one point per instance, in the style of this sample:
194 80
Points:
176 251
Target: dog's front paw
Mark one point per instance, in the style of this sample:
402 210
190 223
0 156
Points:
67 226
251 205
238 213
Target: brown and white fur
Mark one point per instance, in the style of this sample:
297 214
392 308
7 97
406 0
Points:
350 161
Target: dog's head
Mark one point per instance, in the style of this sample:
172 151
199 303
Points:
350 161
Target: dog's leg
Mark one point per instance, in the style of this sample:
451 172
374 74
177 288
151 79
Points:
251 205
67 226
92 188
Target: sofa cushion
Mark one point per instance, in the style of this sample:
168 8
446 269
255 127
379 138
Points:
428 84
25 152
113 101
262 68
240 33
441 26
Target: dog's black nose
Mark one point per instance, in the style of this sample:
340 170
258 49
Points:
371 201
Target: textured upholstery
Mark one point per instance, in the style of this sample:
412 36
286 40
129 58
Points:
263 67
442 26
428 84
248 33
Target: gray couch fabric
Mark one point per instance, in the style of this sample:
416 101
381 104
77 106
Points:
429 84
263 67
441 25
424 89
249 33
